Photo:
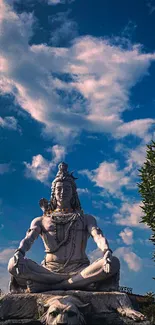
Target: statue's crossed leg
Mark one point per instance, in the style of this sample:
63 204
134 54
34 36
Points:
29 271
93 273
39 278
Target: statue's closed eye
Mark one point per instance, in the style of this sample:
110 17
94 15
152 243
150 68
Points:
54 313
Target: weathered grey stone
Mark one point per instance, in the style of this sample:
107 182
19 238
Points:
106 308
19 321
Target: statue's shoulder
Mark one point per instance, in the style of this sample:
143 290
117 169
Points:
37 221
90 219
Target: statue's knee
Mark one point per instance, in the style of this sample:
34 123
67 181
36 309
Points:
11 266
116 263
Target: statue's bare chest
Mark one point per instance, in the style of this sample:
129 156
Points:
62 227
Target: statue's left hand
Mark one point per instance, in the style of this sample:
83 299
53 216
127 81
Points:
107 261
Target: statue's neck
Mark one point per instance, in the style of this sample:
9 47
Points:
64 205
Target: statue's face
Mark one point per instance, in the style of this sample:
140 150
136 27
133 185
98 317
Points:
64 314
63 192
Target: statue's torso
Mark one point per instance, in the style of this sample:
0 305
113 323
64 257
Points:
61 244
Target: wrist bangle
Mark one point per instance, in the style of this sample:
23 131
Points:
21 251
106 250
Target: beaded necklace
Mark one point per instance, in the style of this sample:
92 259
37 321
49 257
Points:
57 220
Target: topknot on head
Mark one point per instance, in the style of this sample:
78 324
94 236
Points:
63 175
63 168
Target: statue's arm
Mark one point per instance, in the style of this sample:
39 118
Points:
97 234
32 234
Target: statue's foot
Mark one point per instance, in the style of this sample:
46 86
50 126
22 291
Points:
36 287
131 313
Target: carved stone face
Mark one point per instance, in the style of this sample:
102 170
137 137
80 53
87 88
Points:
63 193
61 313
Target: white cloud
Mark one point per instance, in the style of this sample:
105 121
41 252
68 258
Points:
138 128
8 122
95 254
133 261
6 254
58 153
127 236
130 215
107 176
56 2
83 190
40 168
101 77
135 158
4 279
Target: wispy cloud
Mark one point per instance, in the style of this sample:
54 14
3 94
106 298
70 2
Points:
127 236
107 176
151 6
130 215
137 128
9 122
95 254
133 261
64 29
35 75
83 190
56 2
4 168
40 168
6 254
4 279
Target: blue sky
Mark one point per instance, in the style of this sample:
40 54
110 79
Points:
77 84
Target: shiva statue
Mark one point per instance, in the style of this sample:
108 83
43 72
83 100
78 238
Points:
64 229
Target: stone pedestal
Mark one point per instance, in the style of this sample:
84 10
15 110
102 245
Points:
104 308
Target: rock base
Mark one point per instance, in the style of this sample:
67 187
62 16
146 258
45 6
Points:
103 308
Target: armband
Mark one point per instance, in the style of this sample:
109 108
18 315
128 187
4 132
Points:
21 251
98 230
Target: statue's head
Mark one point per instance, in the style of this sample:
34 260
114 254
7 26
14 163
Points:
64 189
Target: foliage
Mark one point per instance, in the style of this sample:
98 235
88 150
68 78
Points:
148 308
147 189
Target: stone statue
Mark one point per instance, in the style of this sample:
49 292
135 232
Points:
64 310
64 229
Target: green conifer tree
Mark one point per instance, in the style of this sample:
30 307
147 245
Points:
147 189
